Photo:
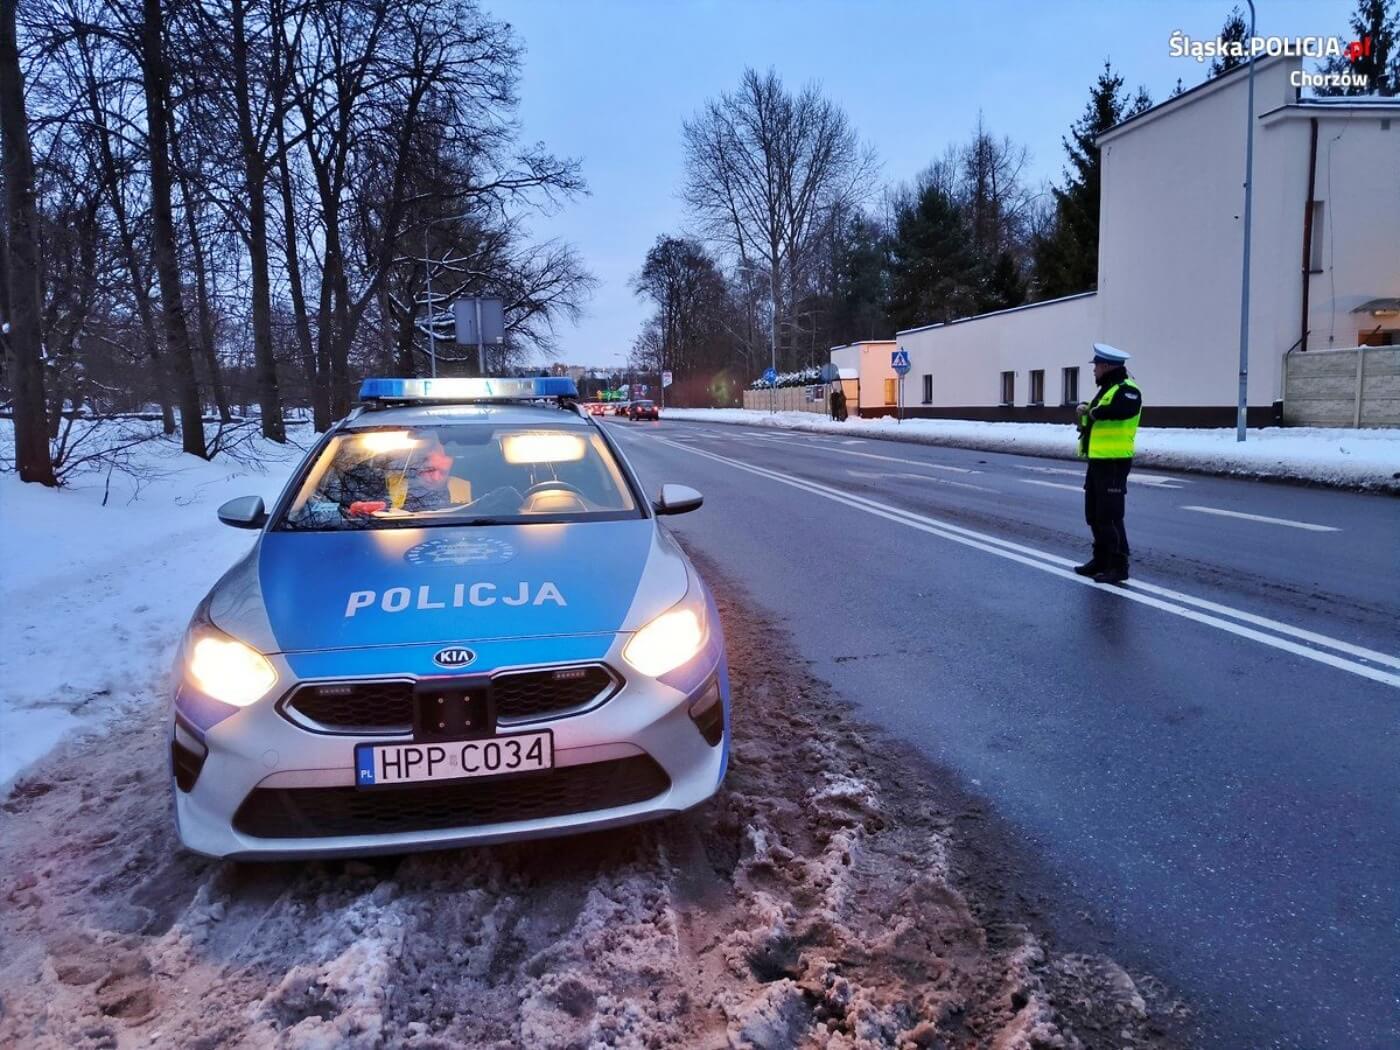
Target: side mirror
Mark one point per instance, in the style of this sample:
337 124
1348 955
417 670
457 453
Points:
677 499
245 512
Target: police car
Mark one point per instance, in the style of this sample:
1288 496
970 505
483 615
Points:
460 623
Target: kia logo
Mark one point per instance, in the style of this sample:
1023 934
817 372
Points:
453 656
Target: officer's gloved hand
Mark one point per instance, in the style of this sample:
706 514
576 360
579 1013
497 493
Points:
1082 408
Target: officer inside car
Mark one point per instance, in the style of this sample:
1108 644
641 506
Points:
1107 429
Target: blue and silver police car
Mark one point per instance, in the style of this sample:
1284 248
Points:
460 623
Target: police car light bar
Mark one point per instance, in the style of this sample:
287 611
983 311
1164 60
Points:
458 389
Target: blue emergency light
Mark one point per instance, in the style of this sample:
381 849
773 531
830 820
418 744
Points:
461 389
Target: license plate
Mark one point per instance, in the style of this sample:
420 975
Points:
379 764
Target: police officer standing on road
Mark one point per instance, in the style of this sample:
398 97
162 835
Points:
1107 428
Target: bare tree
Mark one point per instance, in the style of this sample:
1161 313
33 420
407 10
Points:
156 81
21 318
685 285
764 168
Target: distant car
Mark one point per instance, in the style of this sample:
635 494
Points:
460 623
620 409
643 410
596 408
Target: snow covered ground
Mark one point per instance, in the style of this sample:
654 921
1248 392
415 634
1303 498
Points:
93 598
1368 459
838 892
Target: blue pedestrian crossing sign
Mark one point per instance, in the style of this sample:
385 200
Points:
769 375
899 361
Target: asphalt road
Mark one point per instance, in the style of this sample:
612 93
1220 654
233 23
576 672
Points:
1210 756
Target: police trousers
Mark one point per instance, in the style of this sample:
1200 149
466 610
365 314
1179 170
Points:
1105 492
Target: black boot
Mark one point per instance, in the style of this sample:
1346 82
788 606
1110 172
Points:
1089 568
1116 572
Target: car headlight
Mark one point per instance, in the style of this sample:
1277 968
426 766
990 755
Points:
228 670
667 641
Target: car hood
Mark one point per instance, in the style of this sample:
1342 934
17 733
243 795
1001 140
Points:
329 590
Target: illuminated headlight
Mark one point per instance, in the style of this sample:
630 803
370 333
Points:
668 641
228 670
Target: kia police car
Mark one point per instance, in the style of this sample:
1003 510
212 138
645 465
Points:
460 623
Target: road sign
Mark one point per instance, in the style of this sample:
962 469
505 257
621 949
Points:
769 376
479 321
899 361
665 379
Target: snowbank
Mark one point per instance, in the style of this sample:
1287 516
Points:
94 597
1363 459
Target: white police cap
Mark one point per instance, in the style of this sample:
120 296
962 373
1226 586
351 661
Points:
1110 355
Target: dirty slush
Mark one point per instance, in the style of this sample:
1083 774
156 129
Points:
834 893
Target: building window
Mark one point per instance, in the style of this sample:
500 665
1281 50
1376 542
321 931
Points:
1315 248
1008 388
1378 337
1037 386
1069 379
890 394
928 389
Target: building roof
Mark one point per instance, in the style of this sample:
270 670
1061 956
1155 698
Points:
1378 306
1338 106
862 342
995 313
1208 87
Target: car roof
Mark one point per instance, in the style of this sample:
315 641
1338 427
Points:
507 413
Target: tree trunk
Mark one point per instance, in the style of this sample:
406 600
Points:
289 221
177 336
255 181
140 291
23 347
206 317
201 288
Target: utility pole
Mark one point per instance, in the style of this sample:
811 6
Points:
432 337
1242 405
773 340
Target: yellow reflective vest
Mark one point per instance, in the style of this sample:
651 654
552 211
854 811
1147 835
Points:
1109 438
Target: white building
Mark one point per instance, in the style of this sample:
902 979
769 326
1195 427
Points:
1326 240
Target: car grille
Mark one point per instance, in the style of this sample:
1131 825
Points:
521 696
387 706
384 706
279 813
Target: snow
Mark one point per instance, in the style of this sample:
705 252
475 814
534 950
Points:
95 597
1364 459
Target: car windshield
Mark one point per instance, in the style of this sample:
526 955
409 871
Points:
642 404
473 474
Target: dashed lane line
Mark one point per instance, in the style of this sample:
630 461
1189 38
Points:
1137 477
897 459
1199 610
1309 526
1051 484
877 475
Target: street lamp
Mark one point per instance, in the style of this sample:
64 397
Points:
772 331
1241 407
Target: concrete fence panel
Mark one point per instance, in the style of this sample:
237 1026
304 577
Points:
1343 388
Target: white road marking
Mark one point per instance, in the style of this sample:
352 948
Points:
1158 481
854 441
1051 484
896 459
1142 593
1264 518
880 475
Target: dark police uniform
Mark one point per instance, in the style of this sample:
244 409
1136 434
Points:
1107 432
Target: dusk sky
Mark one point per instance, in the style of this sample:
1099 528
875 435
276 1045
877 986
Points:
611 82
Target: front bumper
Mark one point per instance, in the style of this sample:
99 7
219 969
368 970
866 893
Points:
258 749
